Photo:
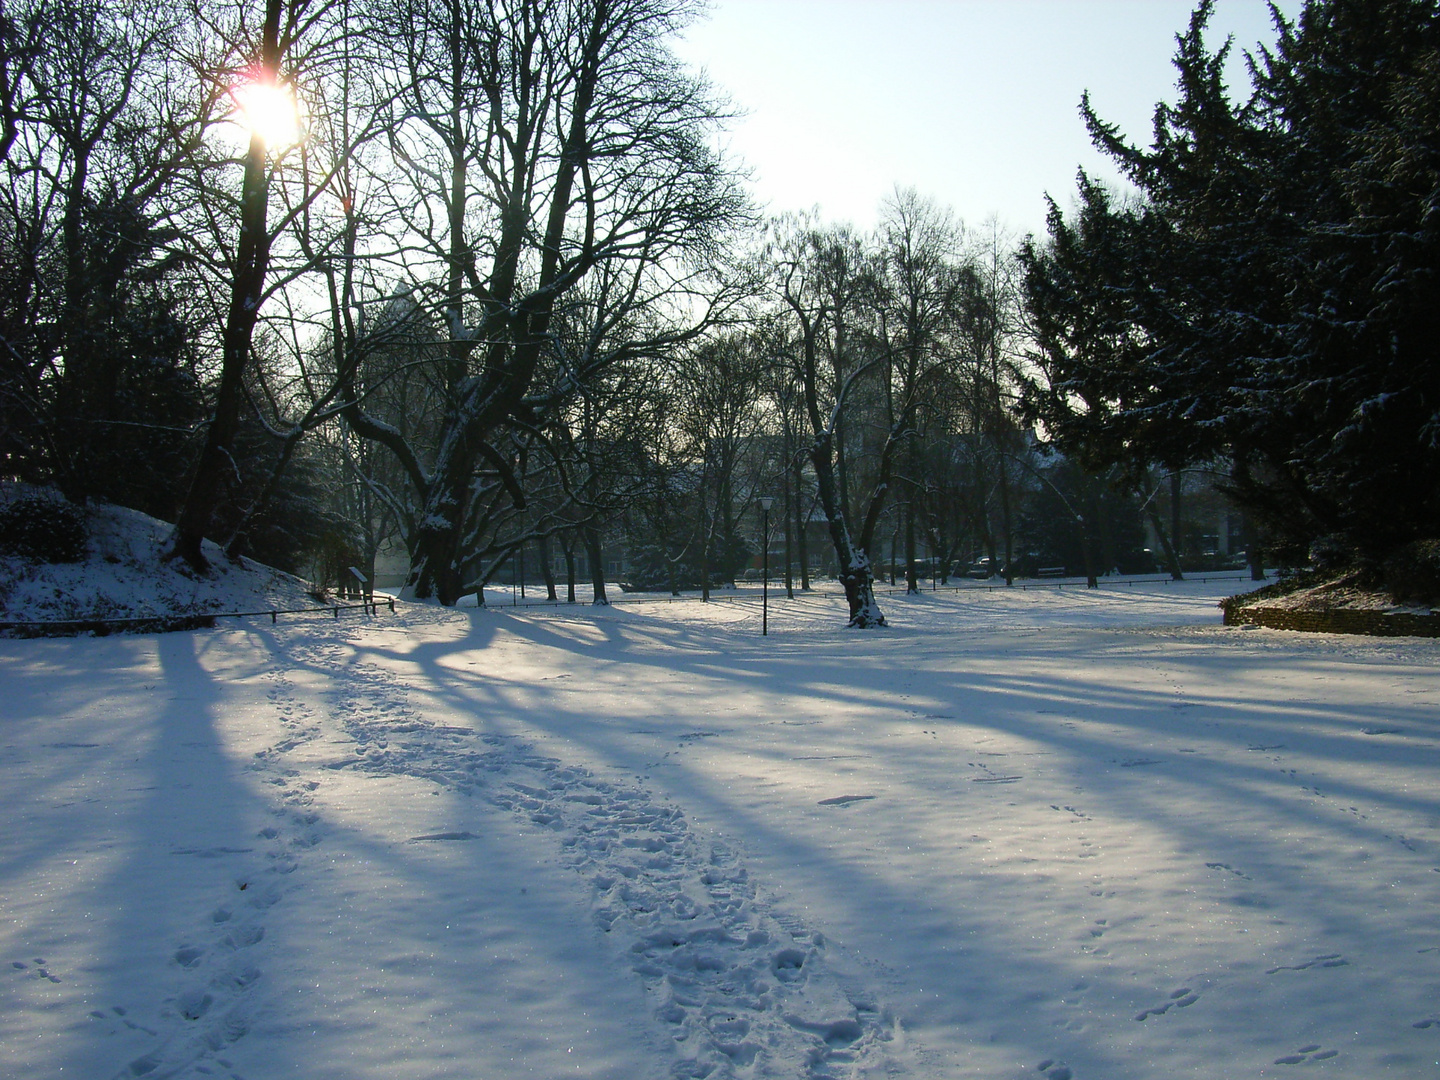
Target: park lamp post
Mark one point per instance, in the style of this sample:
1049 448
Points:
766 501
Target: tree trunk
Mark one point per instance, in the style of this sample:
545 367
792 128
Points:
859 583
725 518
1172 557
569 548
1254 557
596 557
912 577
857 575
704 551
1087 551
543 543
800 523
1177 535
789 577
252 259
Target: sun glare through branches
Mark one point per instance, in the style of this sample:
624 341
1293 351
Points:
269 110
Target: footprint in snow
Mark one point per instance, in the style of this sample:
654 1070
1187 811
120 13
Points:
1228 869
39 971
1179 999
1329 960
188 956
1307 1054
743 988
1054 1070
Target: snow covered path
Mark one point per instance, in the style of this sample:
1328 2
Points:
1047 834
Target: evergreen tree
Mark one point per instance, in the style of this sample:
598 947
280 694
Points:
1272 298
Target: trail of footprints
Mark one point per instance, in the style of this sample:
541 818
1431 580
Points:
217 971
218 967
742 989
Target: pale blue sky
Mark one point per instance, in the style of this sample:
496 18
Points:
972 102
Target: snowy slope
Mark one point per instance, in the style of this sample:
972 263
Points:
1059 834
124 577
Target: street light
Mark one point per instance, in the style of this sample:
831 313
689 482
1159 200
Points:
766 502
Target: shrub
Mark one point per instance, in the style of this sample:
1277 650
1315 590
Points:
1333 554
43 528
1412 573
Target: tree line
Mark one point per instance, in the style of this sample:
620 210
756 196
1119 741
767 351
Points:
505 292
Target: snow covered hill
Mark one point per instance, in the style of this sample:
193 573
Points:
122 576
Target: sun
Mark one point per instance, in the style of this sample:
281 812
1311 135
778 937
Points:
268 110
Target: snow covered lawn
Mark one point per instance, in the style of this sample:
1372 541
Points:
1058 834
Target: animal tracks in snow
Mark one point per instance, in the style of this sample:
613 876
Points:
1179 999
39 971
1307 1054
1329 960
209 1011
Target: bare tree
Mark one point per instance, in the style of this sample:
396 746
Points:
819 277
920 311
719 385
537 143
872 329
295 41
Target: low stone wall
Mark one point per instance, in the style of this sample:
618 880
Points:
1334 621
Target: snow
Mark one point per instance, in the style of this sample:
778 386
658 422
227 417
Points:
123 576
1058 833
1340 594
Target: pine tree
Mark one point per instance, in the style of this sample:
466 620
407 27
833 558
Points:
1271 299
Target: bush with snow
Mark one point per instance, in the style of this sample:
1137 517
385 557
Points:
45 528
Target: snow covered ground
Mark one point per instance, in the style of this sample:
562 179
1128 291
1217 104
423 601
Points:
1050 834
